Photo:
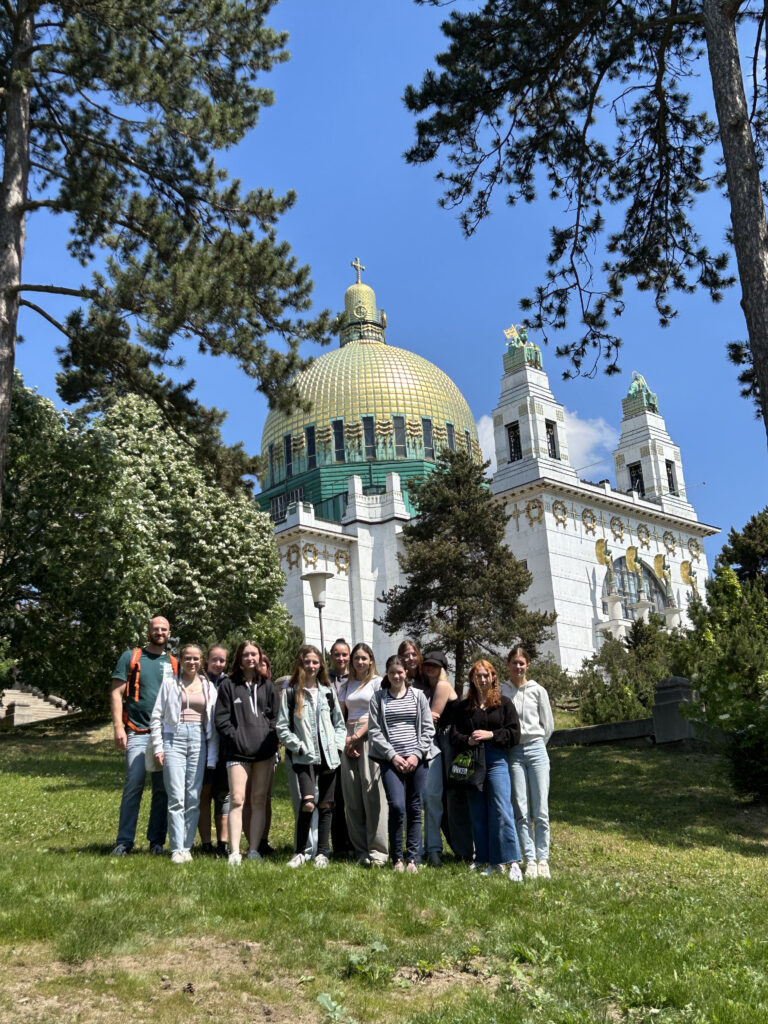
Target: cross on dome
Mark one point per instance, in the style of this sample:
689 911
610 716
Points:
358 266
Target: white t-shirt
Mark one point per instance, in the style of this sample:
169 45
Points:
357 697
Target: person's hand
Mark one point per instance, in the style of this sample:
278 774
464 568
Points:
399 763
412 763
159 759
480 736
436 716
121 740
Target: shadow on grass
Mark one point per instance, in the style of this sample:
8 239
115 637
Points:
672 798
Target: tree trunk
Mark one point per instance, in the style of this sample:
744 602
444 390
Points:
12 216
750 230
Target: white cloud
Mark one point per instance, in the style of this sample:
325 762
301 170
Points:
589 441
485 437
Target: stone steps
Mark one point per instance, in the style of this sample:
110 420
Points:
20 705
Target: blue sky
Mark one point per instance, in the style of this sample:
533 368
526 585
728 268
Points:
336 135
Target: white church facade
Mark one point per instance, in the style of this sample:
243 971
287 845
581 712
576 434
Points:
337 489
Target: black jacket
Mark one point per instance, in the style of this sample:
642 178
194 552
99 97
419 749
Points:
246 735
502 721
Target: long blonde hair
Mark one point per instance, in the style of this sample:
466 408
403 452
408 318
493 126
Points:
298 678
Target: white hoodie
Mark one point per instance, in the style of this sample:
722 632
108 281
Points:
533 708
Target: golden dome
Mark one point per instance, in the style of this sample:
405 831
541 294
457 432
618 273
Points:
393 404
371 378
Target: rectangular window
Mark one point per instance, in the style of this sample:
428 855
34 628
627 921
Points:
671 478
429 444
552 440
288 455
338 440
369 437
513 438
309 433
399 423
451 436
271 464
636 478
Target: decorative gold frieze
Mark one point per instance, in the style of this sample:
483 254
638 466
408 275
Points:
617 528
669 541
644 535
588 520
341 561
534 511
560 512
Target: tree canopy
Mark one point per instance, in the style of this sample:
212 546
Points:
591 100
109 522
463 585
747 550
112 114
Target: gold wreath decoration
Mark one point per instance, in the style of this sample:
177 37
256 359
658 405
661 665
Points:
534 510
341 558
588 519
695 549
293 554
560 512
617 528
644 536
669 541
310 555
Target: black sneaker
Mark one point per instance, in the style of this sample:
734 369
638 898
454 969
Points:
208 849
222 850
265 849
156 849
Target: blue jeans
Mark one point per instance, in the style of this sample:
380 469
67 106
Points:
404 792
135 774
184 753
529 773
493 826
433 805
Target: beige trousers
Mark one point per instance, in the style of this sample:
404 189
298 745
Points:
365 805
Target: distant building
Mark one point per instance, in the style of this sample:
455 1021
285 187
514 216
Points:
337 488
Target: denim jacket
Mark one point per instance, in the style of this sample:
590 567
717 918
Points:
302 740
166 715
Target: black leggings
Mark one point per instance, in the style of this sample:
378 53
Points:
308 777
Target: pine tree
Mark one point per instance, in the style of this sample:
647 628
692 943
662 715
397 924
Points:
463 585
111 113
747 550
588 99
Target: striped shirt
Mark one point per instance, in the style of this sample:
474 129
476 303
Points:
401 715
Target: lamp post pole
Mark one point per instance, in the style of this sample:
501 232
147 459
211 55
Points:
317 581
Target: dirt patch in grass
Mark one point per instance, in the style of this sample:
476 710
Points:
203 979
194 980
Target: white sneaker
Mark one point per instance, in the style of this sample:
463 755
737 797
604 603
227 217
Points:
544 869
187 856
531 871
177 857
515 874
321 861
253 855
297 860
234 859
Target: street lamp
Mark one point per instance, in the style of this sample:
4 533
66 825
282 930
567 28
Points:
317 581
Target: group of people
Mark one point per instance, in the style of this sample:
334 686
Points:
379 768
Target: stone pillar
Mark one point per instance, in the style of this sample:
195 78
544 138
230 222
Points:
668 724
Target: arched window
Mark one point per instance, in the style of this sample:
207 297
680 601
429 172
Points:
627 588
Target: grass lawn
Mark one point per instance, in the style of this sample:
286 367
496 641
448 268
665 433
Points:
656 910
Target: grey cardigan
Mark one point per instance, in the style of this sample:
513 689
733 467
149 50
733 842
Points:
380 747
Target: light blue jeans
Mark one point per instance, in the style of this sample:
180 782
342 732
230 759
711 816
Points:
433 806
529 774
184 754
135 775
493 826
